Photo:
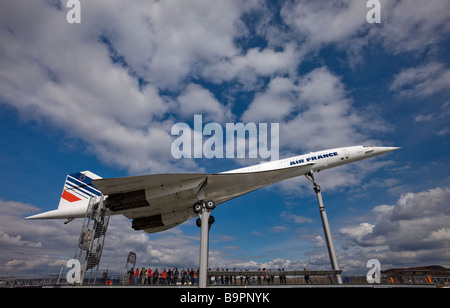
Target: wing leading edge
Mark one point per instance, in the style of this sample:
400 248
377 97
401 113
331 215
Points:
161 201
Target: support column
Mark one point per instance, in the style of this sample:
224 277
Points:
326 227
204 241
205 221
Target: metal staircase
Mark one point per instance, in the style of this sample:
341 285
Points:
92 238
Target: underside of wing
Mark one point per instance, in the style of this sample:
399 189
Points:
226 186
161 201
155 202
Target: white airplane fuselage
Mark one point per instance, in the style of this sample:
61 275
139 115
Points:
77 191
321 160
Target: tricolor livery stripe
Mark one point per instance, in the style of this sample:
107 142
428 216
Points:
79 186
69 197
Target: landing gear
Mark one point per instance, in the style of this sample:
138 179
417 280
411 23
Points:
211 220
205 221
209 205
326 226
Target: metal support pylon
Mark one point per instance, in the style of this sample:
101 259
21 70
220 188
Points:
326 226
204 222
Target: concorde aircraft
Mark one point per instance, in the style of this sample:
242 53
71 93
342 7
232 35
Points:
159 202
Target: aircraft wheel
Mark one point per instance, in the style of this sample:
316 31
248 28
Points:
197 208
211 220
210 205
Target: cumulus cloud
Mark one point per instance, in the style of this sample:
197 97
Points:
414 229
99 84
253 65
89 81
320 22
198 100
274 104
119 81
357 232
405 27
412 26
41 247
36 247
119 93
102 85
424 80
63 76
313 105
33 247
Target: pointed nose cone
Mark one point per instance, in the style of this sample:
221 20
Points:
390 149
384 150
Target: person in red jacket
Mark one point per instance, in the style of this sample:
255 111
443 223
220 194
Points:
136 277
149 274
164 277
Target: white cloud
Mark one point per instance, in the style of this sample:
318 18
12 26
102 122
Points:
321 22
357 232
166 249
324 115
319 241
316 112
412 25
165 41
106 81
117 81
98 83
29 247
274 104
412 230
424 80
297 219
190 32
198 100
254 64
278 229
406 26
102 85
7 240
63 77
440 235
33 247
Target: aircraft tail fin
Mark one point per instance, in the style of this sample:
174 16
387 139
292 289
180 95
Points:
77 191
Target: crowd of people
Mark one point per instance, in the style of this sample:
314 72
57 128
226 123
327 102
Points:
147 276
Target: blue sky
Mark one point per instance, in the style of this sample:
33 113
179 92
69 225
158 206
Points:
103 95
